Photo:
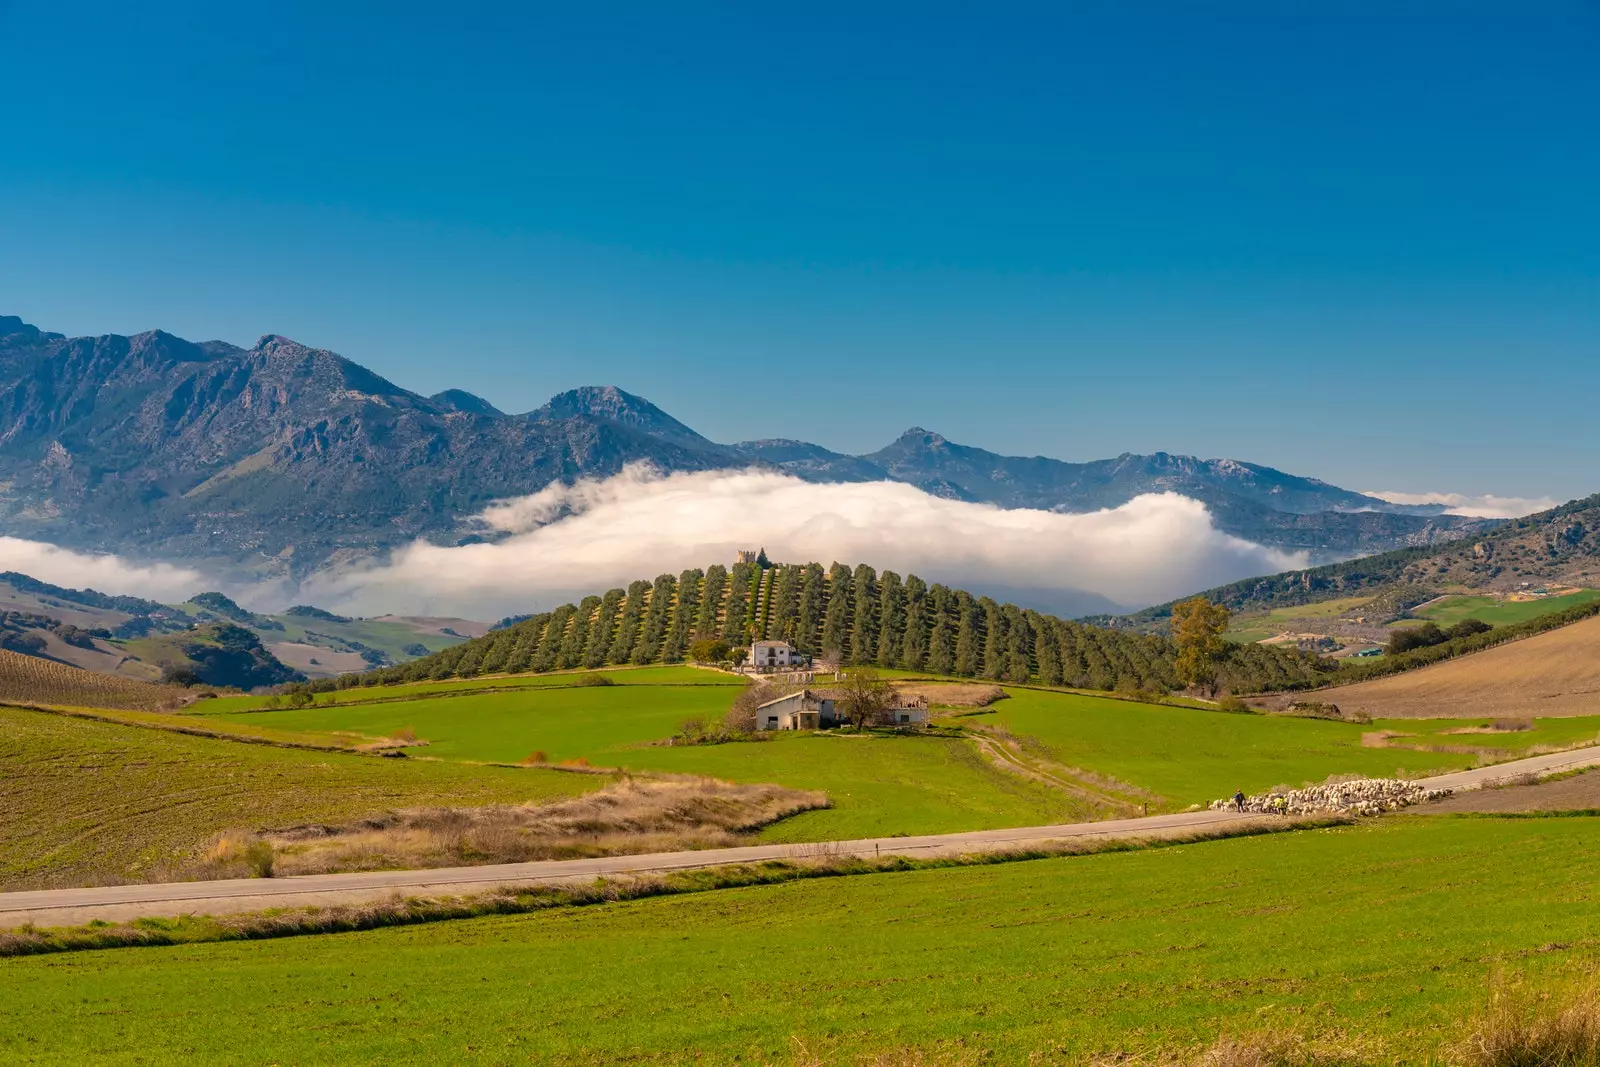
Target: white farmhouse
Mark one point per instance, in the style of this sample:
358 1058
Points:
775 655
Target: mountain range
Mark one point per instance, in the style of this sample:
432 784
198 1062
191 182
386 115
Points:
280 458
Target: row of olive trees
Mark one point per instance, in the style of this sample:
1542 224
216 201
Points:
852 617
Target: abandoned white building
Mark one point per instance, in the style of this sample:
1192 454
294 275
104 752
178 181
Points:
812 709
805 710
775 656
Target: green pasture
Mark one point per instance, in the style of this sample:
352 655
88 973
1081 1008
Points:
595 722
1497 612
92 802
879 784
1387 933
1280 619
1195 756
688 676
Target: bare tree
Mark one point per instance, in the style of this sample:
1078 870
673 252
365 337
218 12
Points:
864 696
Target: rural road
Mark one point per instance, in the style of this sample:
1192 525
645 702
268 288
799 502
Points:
56 907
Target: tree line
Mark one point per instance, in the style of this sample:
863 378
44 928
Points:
853 616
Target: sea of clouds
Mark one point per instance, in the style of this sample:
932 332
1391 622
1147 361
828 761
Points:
568 541
1480 505
571 540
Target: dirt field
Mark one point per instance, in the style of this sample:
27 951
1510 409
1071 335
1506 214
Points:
1578 793
1553 674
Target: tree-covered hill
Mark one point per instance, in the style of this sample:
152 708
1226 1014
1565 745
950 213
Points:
1562 544
848 615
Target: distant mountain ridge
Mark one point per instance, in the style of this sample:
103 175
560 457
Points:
281 457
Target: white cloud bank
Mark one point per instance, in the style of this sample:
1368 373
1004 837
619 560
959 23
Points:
1485 505
573 540
106 573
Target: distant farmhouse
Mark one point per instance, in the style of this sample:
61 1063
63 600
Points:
776 656
817 709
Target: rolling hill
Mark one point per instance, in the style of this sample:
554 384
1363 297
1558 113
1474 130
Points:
1561 545
138 638
274 459
1556 673
854 615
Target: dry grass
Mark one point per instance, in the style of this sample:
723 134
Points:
952 694
1526 1027
1551 674
628 818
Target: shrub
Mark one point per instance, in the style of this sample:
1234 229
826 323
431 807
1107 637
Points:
1467 628
594 679
1406 638
535 757
709 650
258 855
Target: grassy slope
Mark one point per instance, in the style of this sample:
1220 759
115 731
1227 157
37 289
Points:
886 785
1488 609
598 722
688 676
1385 931
1194 756
93 802
878 785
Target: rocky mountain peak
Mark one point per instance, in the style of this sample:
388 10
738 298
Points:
613 404
465 402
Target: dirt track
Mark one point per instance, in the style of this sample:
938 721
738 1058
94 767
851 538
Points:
1553 674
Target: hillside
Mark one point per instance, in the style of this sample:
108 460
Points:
277 457
1550 674
854 615
32 680
112 634
1561 545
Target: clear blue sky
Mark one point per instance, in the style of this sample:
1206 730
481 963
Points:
1362 244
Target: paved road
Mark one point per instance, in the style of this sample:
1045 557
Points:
61 906
1547 764
115 903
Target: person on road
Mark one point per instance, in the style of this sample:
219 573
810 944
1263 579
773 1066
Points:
1281 806
1238 800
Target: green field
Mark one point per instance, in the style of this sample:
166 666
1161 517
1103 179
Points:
686 676
88 802
1497 612
1194 756
596 722
919 784
1279 619
878 784
1386 933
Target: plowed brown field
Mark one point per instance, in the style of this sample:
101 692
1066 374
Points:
1554 674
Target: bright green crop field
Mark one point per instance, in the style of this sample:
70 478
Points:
1194 756
1496 612
885 784
879 785
1386 933
688 676
594 722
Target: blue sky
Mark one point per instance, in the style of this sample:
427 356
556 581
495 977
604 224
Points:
1361 243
